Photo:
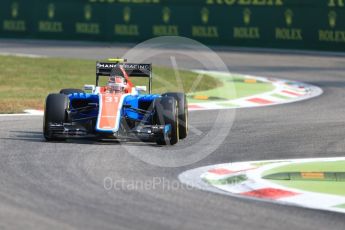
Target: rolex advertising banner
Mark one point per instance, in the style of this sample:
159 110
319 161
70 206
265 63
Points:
293 24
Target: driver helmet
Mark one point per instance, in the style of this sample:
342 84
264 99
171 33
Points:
116 82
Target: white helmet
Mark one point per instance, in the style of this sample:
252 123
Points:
116 84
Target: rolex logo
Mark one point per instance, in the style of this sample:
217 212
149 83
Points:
88 12
205 15
14 9
246 16
166 14
332 19
126 14
51 11
288 17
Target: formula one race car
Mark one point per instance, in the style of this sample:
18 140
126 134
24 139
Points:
117 110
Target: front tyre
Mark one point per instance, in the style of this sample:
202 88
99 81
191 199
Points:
54 112
182 112
166 109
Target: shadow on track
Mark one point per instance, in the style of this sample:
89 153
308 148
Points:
34 136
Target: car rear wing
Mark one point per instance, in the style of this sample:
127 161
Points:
132 70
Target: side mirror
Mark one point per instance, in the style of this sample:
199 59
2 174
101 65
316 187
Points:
89 87
140 88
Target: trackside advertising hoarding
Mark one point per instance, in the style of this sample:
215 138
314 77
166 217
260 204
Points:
291 24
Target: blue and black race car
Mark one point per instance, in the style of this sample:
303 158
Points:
118 109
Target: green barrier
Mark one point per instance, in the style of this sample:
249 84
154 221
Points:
291 24
307 176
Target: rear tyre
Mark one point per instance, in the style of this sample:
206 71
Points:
54 112
70 91
182 112
167 113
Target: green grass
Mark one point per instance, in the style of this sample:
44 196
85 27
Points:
280 96
331 166
229 180
25 82
232 88
340 206
328 187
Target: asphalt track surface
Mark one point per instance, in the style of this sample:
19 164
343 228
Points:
60 185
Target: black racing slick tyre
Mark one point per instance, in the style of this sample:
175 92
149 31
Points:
166 109
70 91
182 112
54 112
